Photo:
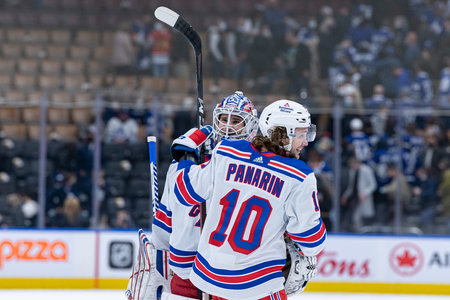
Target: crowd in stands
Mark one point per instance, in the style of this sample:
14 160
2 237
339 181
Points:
386 62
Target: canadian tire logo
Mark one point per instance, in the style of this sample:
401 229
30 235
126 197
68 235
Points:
406 259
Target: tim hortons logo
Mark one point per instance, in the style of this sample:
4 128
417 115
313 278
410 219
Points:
406 259
329 264
32 250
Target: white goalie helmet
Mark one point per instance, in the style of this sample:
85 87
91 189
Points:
287 114
235 105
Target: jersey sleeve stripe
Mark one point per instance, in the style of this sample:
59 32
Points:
312 237
161 216
162 225
180 258
182 252
185 192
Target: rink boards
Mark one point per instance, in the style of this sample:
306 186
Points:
76 259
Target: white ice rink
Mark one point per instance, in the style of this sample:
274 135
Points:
119 295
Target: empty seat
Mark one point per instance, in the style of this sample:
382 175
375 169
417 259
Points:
103 52
141 169
138 188
83 98
34 131
74 82
28 66
15 96
115 187
60 36
108 37
31 114
79 52
73 67
37 36
87 37
49 82
14 130
178 84
35 97
82 115
51 67
125 82
61 97
12 50
25 82
66 132
5 81
49 19
15 35
28 18
10 114
58 115
95 67
7 65
152 84
96 81
34 51
114 152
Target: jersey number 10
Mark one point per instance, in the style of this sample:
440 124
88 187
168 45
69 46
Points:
261 208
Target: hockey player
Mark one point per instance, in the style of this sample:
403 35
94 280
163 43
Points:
176 227
255 192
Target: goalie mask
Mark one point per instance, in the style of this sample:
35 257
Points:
287 114
235 118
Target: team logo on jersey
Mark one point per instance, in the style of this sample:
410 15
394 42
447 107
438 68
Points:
258 159
406 259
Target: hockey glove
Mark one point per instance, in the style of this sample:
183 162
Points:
190 143
302 269
150 275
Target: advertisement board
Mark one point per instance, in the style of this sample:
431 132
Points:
103 259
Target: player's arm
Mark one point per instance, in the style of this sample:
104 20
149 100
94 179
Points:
305 226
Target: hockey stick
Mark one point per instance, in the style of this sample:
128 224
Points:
151 140
175 21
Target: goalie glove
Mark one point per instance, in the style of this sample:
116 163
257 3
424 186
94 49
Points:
150 275
190 143
299 269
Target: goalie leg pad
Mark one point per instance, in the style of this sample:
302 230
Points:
150 274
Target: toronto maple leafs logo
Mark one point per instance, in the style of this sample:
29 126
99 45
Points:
406 259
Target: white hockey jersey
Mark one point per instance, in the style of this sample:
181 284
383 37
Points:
254 198
177 227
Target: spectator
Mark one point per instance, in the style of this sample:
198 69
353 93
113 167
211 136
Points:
378 100
444 192
123 220
444 84
298 59
358 142
160 39
140 30
121 129
71 215
357 199
123 54
397 184
216 47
